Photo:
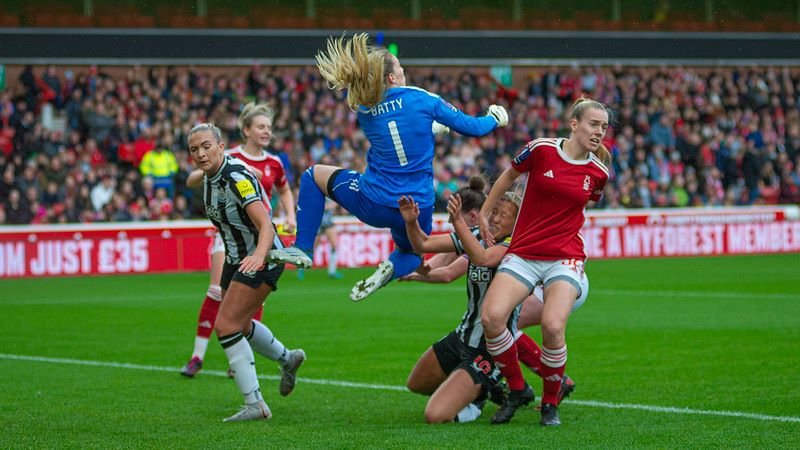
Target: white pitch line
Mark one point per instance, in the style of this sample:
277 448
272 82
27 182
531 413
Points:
386 387
700 294
672 409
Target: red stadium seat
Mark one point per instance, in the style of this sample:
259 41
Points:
403 23
73 21
604 25
9 20
223 21
381 16
187 22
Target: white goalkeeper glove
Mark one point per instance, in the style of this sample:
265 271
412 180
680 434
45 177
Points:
438 128
499 114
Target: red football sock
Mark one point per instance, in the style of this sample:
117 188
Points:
552 371
208 316
529 352
504 352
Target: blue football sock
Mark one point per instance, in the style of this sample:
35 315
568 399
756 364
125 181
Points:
310 206
404 262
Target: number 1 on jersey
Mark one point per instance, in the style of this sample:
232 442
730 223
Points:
398 144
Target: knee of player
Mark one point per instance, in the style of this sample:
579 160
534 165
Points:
416 386
411 384
553 331
436 415
492 323
223 327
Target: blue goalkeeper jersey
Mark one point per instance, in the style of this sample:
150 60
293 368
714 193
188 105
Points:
400 161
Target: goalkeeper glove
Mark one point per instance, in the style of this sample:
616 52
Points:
499 114
438 128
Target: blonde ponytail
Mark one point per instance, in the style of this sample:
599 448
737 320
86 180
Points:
603 154
353 65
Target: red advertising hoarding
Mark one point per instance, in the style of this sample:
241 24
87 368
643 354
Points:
68 250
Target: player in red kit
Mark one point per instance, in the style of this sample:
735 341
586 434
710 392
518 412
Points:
255 123
547 249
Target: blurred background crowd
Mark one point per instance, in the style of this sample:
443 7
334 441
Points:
82 144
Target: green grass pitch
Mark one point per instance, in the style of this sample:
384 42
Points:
667 353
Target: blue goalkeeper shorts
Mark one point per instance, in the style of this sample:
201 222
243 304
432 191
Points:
343 189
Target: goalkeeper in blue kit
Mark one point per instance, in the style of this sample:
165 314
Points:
400 122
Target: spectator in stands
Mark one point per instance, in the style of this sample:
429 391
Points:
710 125
103 192
161 165
8 183
16 209
99 121
144 143
181 210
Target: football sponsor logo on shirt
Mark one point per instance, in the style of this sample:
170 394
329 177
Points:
549 174
245 188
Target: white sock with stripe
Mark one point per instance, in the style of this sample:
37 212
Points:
242 362
265 343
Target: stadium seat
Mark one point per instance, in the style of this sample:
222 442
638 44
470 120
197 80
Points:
181 21
301 22
73 21
483 18
403 23
604 25
9 20
693 26
223 21
380 16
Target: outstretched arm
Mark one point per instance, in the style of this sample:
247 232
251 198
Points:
478 255
450 116
421 242
445 274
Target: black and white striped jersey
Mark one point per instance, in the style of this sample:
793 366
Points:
470 330
226 194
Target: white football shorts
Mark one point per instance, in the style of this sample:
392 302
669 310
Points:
537 274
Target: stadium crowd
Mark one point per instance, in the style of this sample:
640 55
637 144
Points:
86 146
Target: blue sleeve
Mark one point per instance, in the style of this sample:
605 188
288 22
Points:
449 115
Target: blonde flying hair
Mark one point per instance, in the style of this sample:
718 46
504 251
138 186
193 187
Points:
250 112
578 108
360 68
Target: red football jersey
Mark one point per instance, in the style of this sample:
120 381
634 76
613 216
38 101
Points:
269 165
558 188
